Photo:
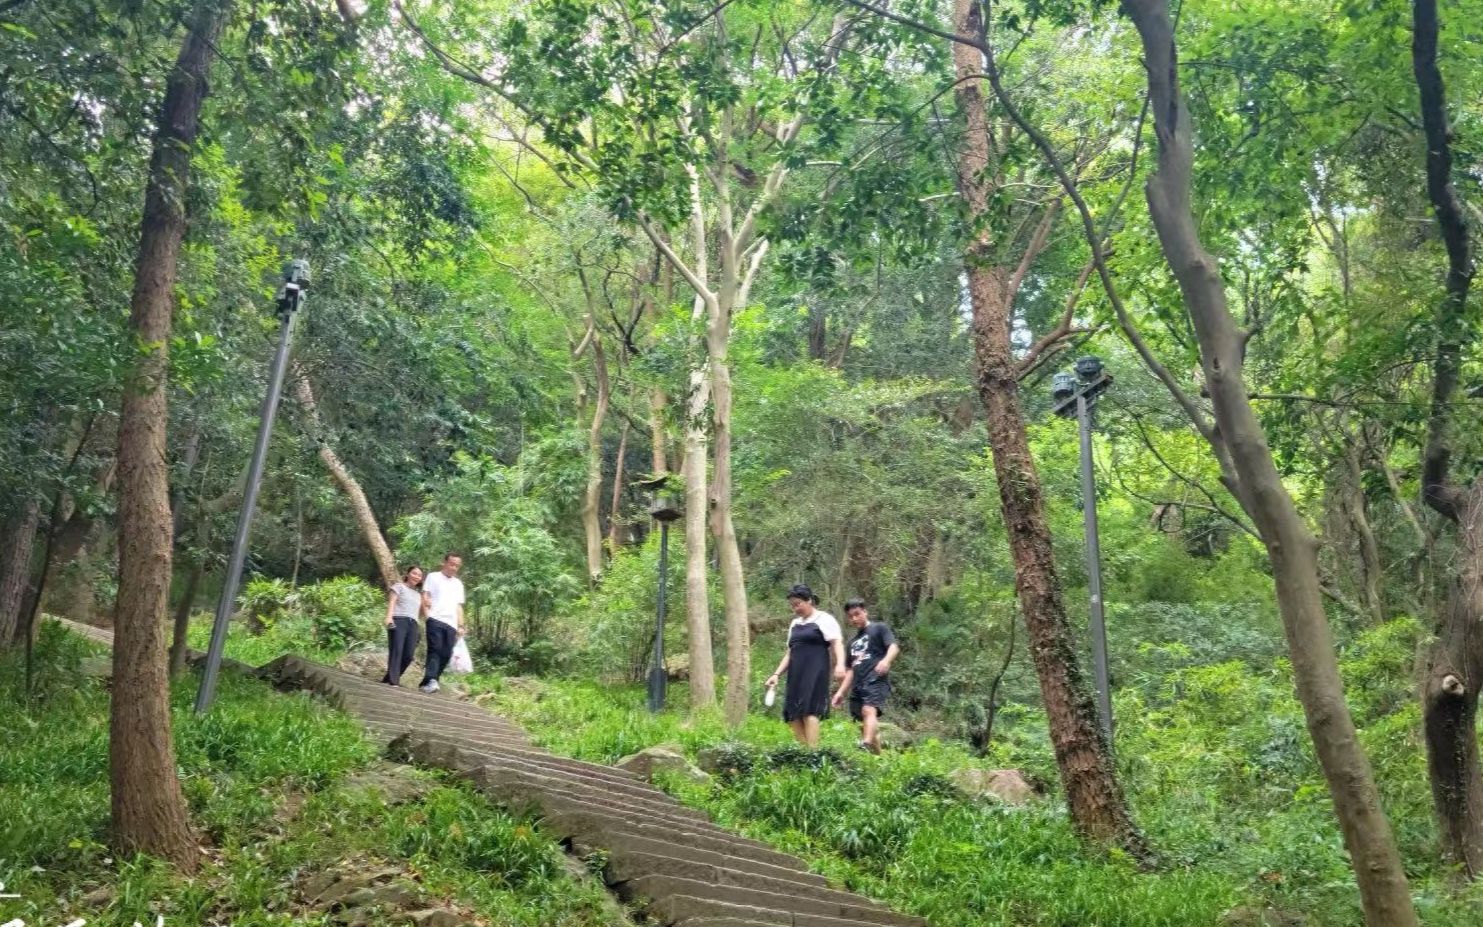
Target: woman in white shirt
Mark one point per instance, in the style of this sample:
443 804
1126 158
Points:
812 637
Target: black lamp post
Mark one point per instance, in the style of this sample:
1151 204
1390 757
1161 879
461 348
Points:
663 508
1074 395
290 297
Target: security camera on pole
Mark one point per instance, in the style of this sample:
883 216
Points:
1074 395
290 298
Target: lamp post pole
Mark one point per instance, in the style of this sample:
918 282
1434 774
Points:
657 677
290 297
664 509
1075 396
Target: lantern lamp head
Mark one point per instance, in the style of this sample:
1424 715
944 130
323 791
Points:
1062 386
1089 367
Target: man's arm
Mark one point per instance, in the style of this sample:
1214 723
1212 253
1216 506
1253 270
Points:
460 619
884 666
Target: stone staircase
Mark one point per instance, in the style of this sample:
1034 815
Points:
671 860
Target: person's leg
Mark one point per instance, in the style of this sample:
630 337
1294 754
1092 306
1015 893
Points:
393 654
870 725
799 734
811 731
409 646
439 648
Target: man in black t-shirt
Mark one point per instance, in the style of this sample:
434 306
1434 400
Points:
867 660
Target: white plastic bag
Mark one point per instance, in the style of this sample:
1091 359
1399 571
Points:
461 661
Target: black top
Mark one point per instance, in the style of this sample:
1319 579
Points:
868 648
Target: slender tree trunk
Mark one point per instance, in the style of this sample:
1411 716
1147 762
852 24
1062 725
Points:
16 549
181 625
617 529
1454 660
1291 547
592 497
658 436
359 504
1093 794
818 331
149 813
1372 570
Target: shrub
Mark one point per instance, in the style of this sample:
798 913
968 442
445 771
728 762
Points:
342 610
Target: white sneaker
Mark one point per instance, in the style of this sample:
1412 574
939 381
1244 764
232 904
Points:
430 687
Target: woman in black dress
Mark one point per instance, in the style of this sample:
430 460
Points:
812 637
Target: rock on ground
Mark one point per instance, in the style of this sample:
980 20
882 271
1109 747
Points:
665 757
1009 786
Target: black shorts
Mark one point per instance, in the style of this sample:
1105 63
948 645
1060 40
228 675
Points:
873 692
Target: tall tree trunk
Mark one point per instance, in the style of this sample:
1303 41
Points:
1454 663
1093 794
733 581
1291 547
617 528
592 497
149 813
359 504
697 591
16 550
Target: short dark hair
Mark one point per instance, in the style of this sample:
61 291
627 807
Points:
800 591
451 554
853 603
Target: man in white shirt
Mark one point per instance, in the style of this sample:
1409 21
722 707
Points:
442 596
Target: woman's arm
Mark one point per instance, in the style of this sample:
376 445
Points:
836 647
390 608
782 667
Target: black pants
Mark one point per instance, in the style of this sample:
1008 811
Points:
440 640
401 647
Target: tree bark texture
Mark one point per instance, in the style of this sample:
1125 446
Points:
1291 547
15 567
1449 700
149 812
1093 794
360 506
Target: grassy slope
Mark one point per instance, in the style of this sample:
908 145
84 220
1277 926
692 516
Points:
1215 758
265 776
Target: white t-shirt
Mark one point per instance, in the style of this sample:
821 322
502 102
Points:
444 595
827 625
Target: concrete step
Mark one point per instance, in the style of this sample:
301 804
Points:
493 777
686 909
657 875
699 845
640 856
450 754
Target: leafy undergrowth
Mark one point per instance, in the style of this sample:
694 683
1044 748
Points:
266 776
1215 758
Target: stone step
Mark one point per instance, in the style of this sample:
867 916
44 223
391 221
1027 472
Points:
545 801
501 776
702 846
460 754
704 905
643 851
427 721
436 751
803 899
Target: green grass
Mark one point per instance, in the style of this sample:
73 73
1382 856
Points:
265 776
1215 760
